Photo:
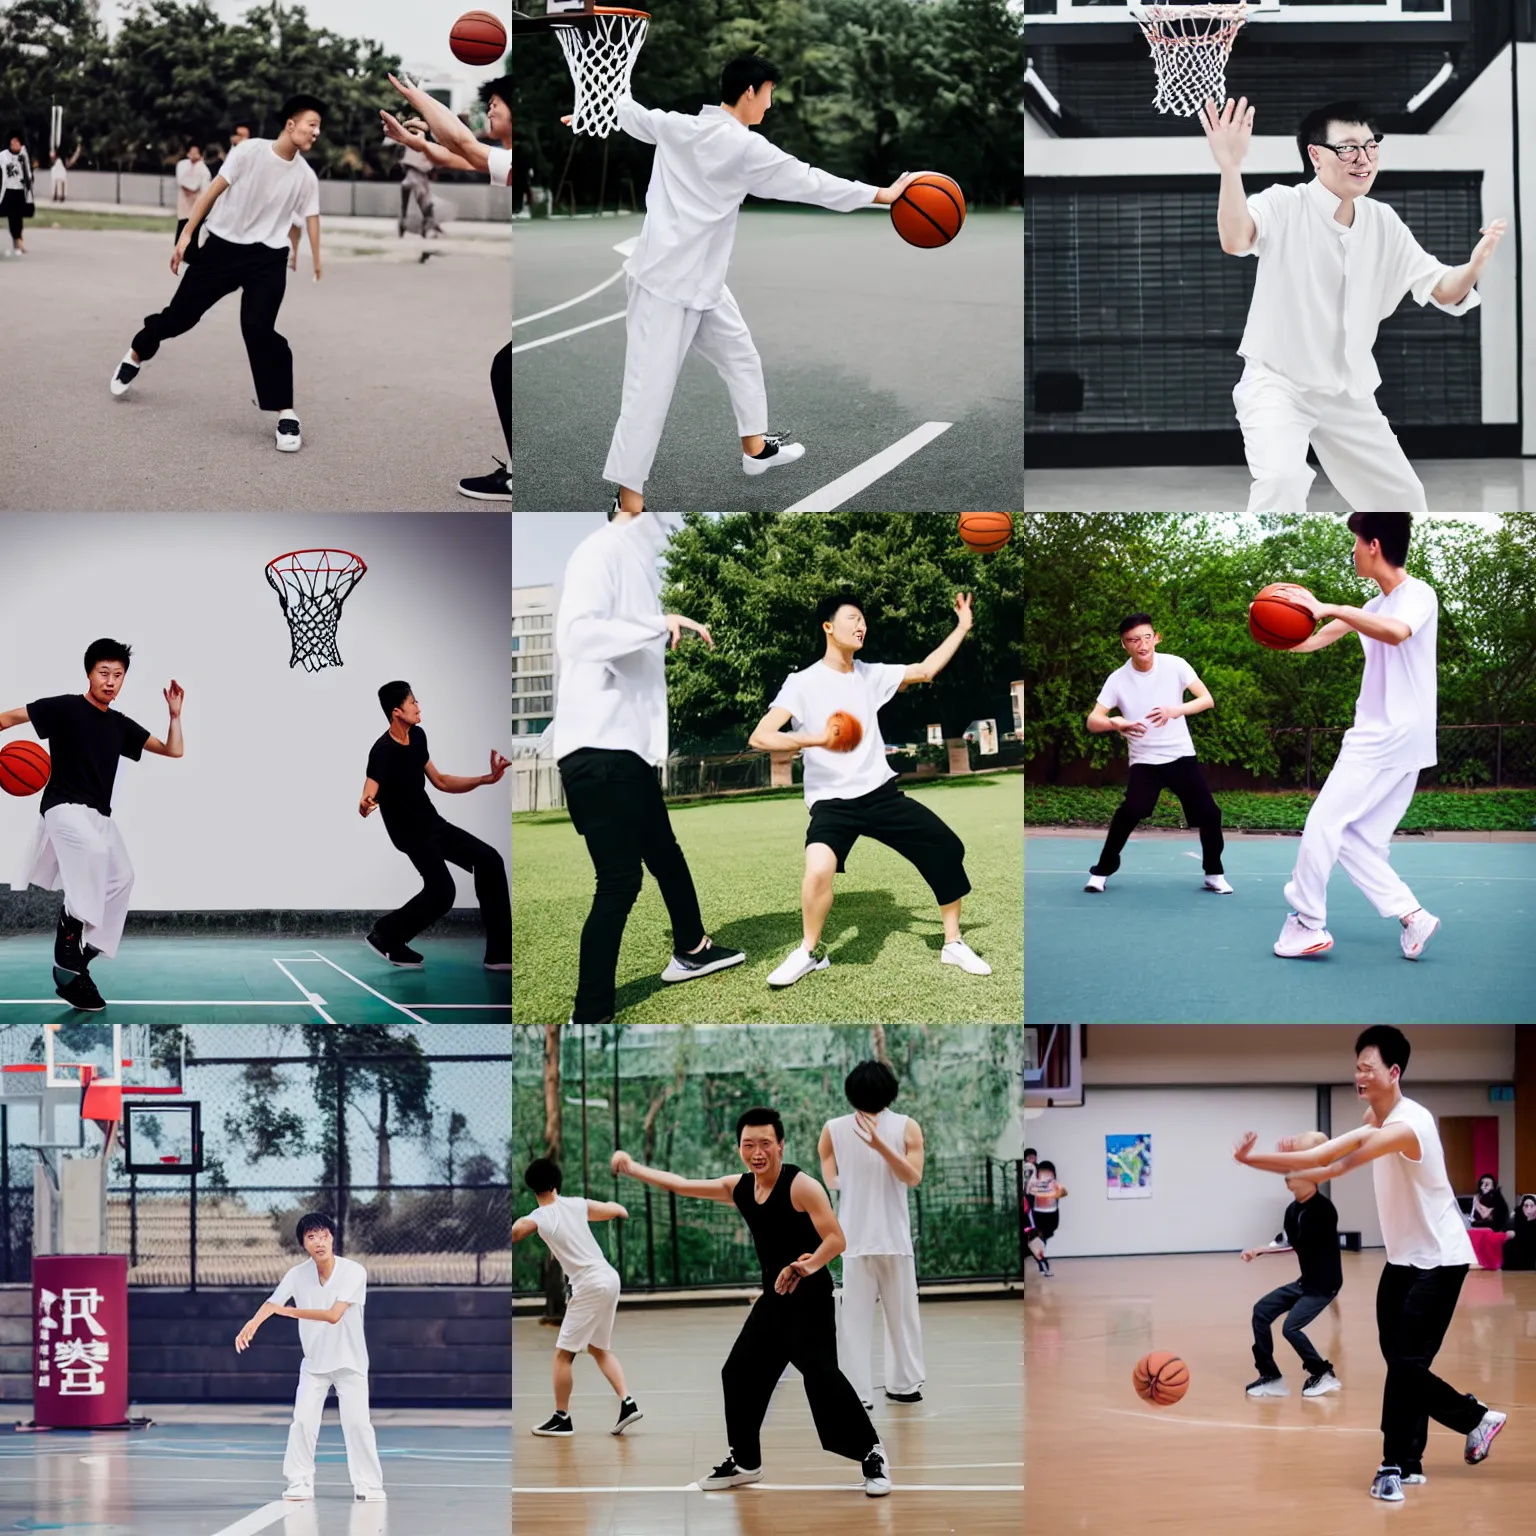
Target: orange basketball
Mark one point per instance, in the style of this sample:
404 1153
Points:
1160 1378
986 531
24 768
849 732
1276 622
930 211
478 37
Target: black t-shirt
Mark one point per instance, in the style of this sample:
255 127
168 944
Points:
781 1234
84 743
401 774
1312 1229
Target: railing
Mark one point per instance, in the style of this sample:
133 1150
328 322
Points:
1470 756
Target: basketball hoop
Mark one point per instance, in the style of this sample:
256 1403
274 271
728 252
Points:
600 47
1190 46
311 585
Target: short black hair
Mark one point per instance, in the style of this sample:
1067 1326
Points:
193 144
315 1221
1314 126
239 126
1131 620
1392 530
747 71
1390 1041
302 103
871 1086
107 650
543 1174
392 696
1030 1152
826 609
760 1116
1045 1163
500 86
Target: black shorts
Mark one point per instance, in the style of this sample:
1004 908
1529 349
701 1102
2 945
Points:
1046 1223
903 825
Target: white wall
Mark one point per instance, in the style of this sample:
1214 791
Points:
262 810
1525 71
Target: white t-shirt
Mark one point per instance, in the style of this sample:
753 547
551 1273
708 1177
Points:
267 194
191 181
328 1346
817 692
1421 1223
1133 693
1041 1192
59 171
566 1233
500 167
871 1200
13 171
1395 713
1323 290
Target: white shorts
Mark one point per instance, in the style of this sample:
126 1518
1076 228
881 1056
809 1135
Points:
589 1315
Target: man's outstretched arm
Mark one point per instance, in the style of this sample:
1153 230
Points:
446 128
1320 1164
720 1189
942 654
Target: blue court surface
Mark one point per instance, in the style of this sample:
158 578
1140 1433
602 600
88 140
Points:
1157 948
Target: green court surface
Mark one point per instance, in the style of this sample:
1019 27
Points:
1157 948
264 980
883 936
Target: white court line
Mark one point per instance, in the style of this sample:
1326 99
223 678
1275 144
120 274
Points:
845 487
857 1488
325 960
174 1002
580 298
1276 874
1291 1429
575 330
312 998
259 1520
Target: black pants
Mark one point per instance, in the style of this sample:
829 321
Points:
800 1331
260 273
193 248
1046 1223
1145 783
501 388
1302 1306
906 826
617 807
15 213
1414 1308
452 845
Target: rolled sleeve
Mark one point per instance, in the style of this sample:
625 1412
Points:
1424 284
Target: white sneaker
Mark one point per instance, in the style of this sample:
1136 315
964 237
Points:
960 953
877 1473
1417 932
124 374
1388 1485
372 1496
1096 883
776 452
1269 1386
299 1491
1218 883
801 962
1297 941
288 438
1482 1437
1321 1385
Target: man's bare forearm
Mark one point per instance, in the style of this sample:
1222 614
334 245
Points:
1391 631
941 655
1457 284
1233 221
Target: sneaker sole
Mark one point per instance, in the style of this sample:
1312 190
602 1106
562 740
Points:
486 495
709 1484
554 1434
287 445
1304 954
634 1418
671 977
964 967
1472 1460
401 965
762 466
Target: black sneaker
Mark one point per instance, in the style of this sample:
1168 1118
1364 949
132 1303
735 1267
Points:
556 1424
78 991
1268 1386
67 953
729 1475
877 1474
124 375
629 1414
904 1397
713 957
496 486
288 438
396 954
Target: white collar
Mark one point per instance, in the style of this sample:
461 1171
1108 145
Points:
1328 204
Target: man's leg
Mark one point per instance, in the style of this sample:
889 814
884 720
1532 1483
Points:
430 903
1276 423
748 1377
664 857
357 1431
1265 1310
1143 784
1346 794
905 1370
562 1379
308 1405
1306 1307
608 1363
1360 454
856 1325
490 872
816 892
501 391
1365 848
271 358
724 340
842 1425
1186 779
202 285
95 873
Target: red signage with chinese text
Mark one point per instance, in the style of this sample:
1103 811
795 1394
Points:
79 1340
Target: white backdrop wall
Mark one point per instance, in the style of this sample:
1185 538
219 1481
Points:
1525 71
262 809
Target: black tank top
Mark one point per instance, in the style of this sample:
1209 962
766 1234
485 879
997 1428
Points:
781 1233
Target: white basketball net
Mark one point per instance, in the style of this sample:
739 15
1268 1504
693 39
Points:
601 57
1190 45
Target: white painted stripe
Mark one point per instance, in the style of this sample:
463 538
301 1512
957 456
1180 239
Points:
260 1519
858 1488
312 998
845 487
399 1007
580 298
575 330
170 1002
627 247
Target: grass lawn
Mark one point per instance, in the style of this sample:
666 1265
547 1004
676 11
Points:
65 217
883 935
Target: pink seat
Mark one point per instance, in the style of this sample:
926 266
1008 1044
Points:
1488 1246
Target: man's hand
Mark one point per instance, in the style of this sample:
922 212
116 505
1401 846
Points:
174 697
1228 131
963 617
499 766
179 255
623 1211
367 806
1299 597
792 1274
317 266
621 1162
1483 251
412 93
1161 714
403 134
244 1337
676 623
864 1129
1128 727
1249 1255
891 193
1244 1148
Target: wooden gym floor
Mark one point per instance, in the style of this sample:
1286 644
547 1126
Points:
1100 1461
956 1457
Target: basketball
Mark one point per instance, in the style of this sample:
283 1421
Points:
24 768
478 37
1160 1378
986 531
930 211
849 732
1276 622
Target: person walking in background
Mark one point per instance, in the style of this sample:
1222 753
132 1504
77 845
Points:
416 187
16 201
193 178
58 173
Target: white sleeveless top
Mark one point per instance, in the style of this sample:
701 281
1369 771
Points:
1420 1221
872 1201
567 1235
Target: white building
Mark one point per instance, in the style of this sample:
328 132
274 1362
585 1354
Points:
534 665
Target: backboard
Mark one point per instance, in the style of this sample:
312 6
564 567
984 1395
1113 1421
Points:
1053 1066
162 1136
1344 20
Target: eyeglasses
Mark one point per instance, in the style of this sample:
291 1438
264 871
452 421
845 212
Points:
1349 153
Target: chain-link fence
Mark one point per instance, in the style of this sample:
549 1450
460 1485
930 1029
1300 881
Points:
1469 756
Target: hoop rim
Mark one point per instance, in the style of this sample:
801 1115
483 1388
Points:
273 562
578 21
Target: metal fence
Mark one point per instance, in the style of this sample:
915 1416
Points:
1470 756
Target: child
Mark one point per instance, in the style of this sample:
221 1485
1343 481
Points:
1149 690
1044 1194
1312 1234
330 1293
1371 784
562 1222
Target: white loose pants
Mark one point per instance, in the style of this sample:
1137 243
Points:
356 1429
79 851
1353 441
892 1278
660 334
1351 823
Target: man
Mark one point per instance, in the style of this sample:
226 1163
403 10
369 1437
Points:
79 849
192 180
1043 1194
1149 690
1371 784
1428 1254
458 149
853 794
330 1294
872 1158
792 1322
704 166
1333 264
399 766
269 185
609 736
416 173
